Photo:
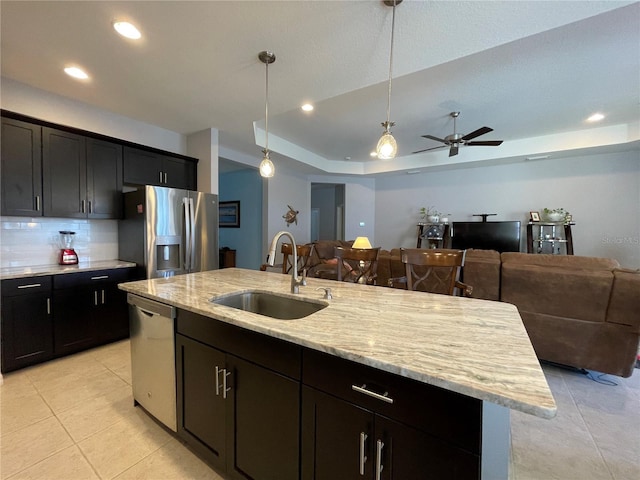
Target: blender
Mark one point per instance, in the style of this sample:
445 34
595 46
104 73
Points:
67 255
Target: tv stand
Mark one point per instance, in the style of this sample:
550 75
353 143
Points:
484 215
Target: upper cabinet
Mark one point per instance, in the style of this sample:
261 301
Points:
143 167
21 168
82 176
56 171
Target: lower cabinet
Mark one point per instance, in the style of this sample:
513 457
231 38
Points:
50 316
239 415
27 322
89 309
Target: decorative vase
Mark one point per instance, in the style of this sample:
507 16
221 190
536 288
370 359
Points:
433 218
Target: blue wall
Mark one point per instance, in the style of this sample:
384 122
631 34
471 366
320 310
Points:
245 186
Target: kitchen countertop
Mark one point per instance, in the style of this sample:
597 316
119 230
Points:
40 270
475 347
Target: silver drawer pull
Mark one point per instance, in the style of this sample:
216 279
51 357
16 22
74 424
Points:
218 370
363 457
100 277
224 384
31 285
363 389
379 466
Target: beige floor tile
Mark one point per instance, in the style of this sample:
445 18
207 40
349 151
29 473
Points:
68 464
124 373
28 446
17 412
15 385
49 373
101 412
171 462
123 444
77 389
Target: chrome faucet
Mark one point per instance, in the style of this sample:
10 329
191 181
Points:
295 280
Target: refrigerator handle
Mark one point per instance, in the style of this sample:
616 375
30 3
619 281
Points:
192 222
187 230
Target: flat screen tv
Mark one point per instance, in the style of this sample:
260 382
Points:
500 236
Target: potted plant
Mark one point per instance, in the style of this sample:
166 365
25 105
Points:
430 214
555 214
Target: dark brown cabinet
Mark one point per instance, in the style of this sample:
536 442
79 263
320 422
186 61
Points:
238 398
21 168
359 422
82 176
89 309
27 322
144 167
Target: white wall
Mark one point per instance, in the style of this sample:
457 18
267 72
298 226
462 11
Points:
204 146
360 205
602 192
20 98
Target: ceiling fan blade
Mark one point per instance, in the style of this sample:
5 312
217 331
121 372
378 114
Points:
477 133
488 143
453 150
435 138
427 149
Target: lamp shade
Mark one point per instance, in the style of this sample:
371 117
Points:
266 167
387 147
361 242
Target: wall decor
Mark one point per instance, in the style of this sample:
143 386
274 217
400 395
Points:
291 216
229 214
535 216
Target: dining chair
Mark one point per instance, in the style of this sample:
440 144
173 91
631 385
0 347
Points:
357 265
304 253
434 270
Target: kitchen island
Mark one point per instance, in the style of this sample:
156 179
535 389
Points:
477 349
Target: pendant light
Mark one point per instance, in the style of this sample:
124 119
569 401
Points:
266 165
387 146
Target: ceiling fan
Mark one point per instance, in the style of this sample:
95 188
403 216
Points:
454 140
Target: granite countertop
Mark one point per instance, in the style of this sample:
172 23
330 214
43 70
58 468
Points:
40 270
474 347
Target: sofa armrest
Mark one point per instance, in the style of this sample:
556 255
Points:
624 303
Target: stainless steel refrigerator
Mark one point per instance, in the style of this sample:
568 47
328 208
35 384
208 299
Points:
169 231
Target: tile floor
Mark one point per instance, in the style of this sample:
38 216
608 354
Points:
74 419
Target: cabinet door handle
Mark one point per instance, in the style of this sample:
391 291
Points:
224 384
48 306
82 206
30 285
90 208
363 389
37 203
363 457
95 297
161 177
379 466
218 370
165 177
103 296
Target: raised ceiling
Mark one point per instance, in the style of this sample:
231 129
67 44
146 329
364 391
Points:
531 70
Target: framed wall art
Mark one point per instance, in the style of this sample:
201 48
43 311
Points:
229 214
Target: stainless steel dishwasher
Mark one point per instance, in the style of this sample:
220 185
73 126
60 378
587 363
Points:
153 367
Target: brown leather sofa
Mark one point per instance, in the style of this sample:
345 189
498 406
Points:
578 311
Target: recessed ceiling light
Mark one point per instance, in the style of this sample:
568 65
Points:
373 154
76 72
596 117
307 107
127 29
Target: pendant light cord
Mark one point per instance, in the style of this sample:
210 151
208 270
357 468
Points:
266 112
393 23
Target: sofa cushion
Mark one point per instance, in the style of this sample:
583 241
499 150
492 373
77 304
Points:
624 304
554 285
482 272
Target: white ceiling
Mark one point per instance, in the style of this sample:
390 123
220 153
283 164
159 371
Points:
531 70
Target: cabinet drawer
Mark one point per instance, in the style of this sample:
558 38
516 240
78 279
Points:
24 286
97 277
272 353
447 415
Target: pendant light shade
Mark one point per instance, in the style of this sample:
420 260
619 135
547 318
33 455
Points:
267 169
387 147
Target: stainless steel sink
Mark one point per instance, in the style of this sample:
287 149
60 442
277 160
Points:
270 305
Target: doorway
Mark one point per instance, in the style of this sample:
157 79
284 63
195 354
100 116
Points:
327 211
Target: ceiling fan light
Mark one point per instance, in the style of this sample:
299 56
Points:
266 167
387 147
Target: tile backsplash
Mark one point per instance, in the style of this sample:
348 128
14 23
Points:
28 242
